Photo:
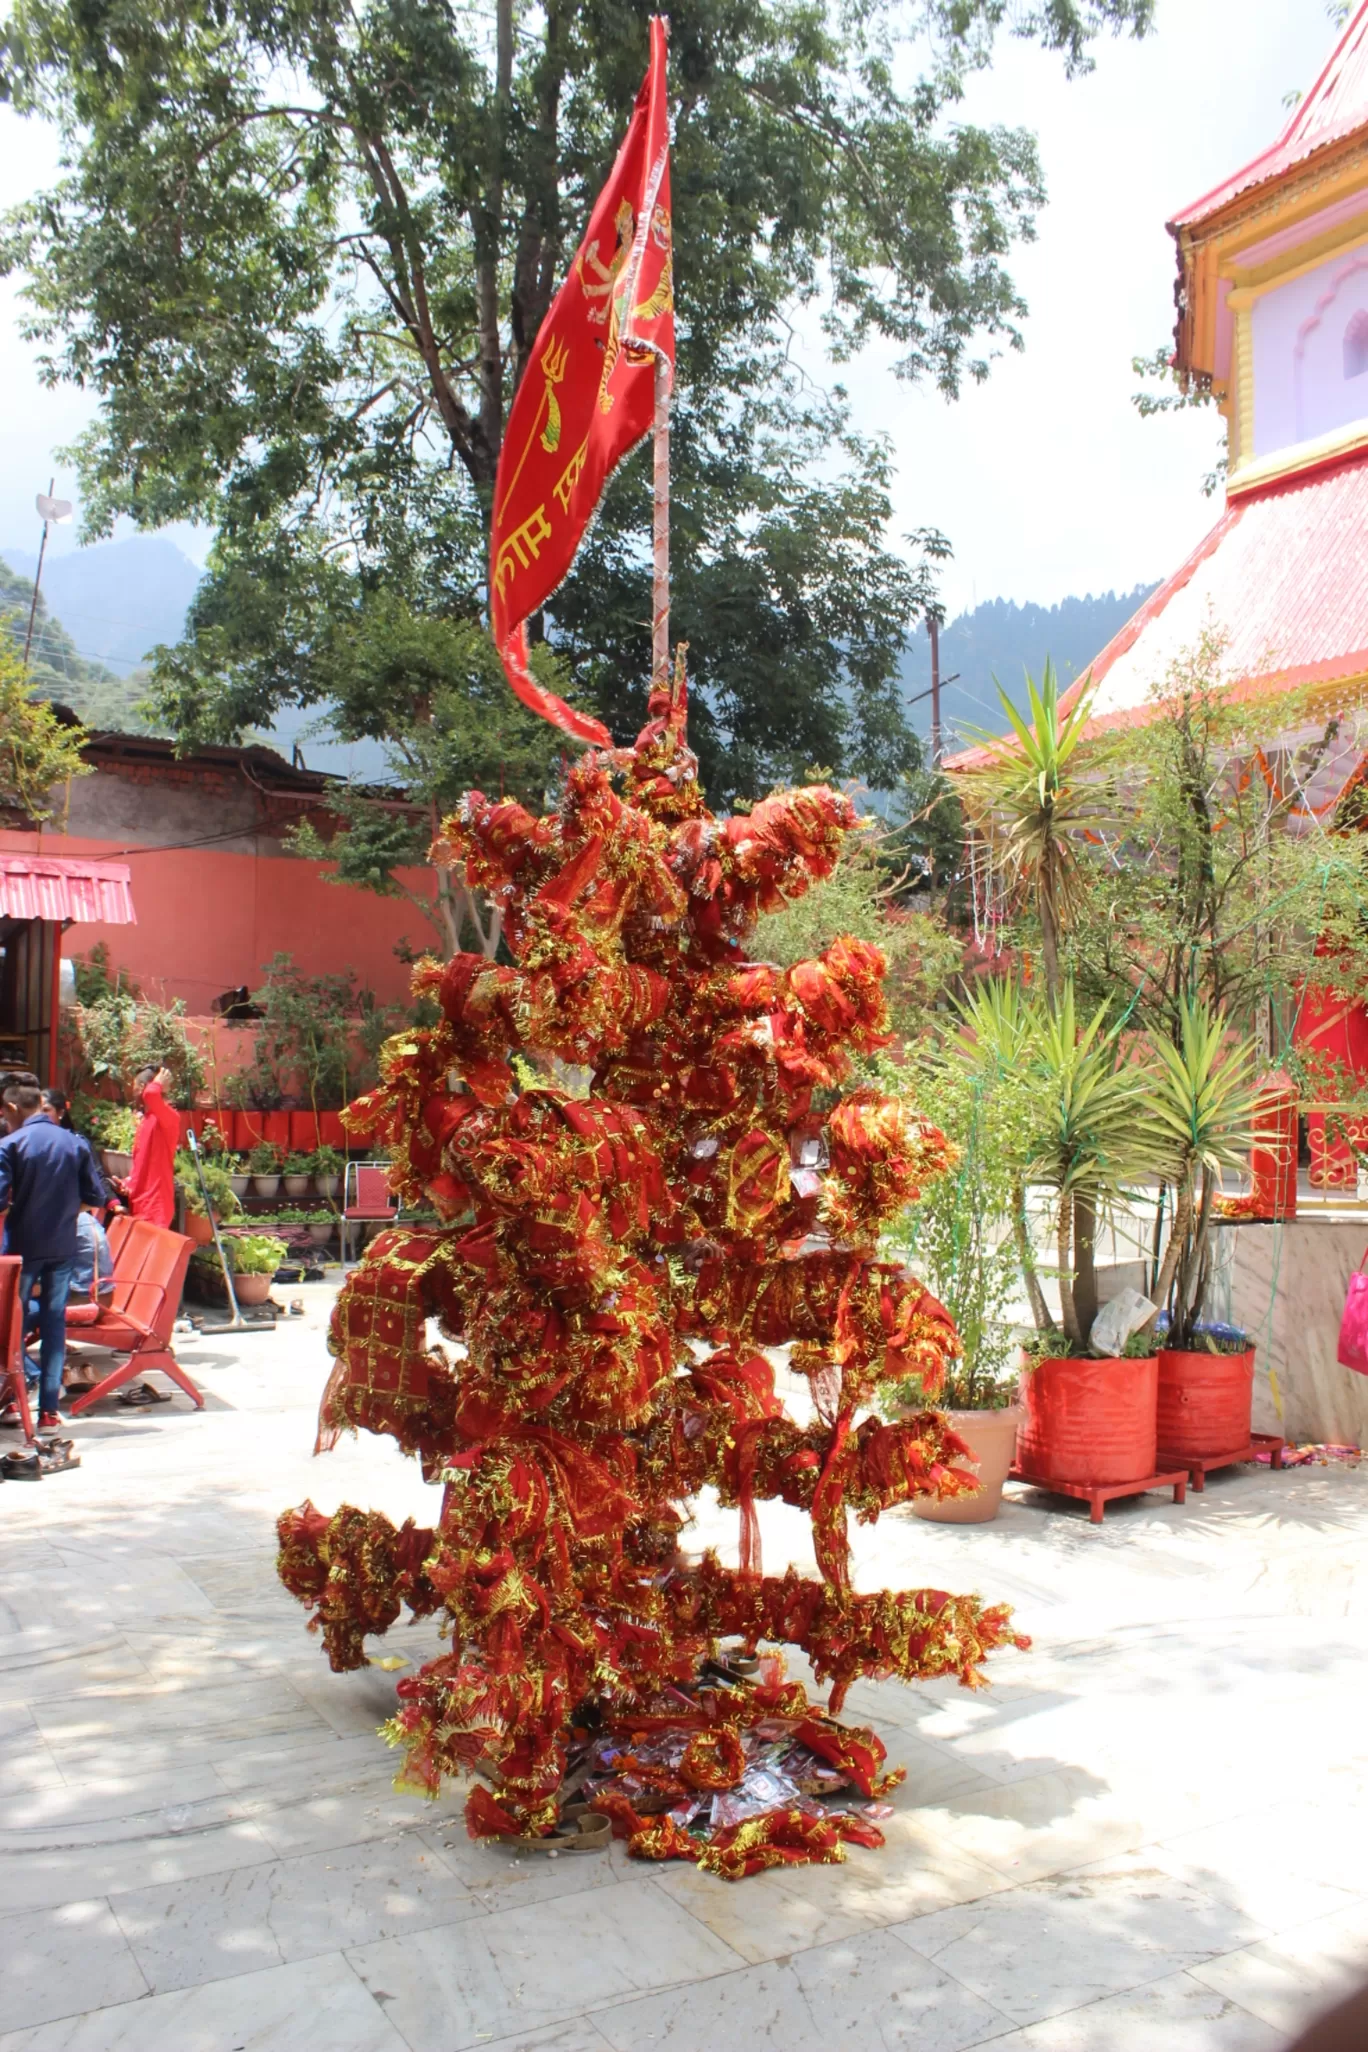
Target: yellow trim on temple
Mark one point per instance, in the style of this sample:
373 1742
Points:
1342 441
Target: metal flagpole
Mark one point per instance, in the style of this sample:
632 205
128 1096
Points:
33 607
660 578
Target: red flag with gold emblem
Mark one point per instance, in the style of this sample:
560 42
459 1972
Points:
587 395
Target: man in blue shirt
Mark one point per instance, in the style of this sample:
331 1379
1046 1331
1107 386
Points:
46 1176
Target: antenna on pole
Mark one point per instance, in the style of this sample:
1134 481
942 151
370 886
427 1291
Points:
52 511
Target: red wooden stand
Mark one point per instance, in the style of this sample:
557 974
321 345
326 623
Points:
1098 1494
1199 1466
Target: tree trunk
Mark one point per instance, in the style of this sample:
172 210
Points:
1085 1263
1173 1253
1021 1235
1068 1316
1049 933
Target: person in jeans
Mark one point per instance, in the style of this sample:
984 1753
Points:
46 1176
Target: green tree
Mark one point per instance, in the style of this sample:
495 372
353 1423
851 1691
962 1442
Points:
38 752
301 252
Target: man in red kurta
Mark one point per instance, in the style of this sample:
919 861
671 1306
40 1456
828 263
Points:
152 1183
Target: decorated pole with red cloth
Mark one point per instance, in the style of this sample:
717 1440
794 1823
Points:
598 378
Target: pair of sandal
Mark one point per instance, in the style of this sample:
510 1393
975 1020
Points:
42 1458
142 1395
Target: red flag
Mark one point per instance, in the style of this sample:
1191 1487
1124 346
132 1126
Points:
587 395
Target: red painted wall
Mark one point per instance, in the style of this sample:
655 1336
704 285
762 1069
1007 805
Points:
208 920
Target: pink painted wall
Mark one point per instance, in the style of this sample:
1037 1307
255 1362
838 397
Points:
208 920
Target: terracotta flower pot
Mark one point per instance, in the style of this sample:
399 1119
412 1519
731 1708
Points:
296 1186
198 1228
1089 1421
116 1164
327 1186
265 1186
320 1233
991 1437
239 1185
252 1289
1204 1402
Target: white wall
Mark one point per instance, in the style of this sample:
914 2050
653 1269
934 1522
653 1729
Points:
1311 354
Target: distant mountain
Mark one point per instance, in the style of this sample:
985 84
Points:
117 600
57 669
1002 640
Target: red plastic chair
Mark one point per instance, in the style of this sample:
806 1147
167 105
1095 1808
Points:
12 1337
116 1232
374 1203
149 1275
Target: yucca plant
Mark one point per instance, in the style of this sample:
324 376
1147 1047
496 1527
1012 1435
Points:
999 1026
1201 1098
1032 808
1095 1139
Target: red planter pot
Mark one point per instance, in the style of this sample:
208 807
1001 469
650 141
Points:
1205 1402
1089 1421
331 1131
303 1132
276 1127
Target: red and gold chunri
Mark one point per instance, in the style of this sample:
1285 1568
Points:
606 1273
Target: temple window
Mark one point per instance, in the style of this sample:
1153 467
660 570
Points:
1356 345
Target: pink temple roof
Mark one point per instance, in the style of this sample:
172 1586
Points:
1335 107
1283 577
62 888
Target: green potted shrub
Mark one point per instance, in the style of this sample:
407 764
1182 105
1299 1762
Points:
959 1236
263 1164
326 1166
254 1259
114 1128
322 1225
1204 1093
222 1198
295 1172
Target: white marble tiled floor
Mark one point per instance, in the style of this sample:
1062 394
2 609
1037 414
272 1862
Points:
1152 1831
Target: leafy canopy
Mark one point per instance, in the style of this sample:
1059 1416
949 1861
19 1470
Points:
300 254
38 753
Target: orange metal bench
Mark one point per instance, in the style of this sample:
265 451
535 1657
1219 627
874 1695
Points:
12 1337
136 1321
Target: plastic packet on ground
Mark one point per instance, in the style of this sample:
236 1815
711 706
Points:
761 1790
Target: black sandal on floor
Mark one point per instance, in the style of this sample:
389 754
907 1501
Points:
25 1466
55 1456
142 1395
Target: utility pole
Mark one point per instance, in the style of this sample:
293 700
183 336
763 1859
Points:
52 510
933 629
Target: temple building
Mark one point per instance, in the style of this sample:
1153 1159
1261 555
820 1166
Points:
1272 297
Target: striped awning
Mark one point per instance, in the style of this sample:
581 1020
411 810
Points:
66 889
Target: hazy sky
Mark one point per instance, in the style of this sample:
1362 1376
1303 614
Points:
1045 479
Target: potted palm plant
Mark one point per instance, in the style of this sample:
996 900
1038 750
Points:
1203 1095
1088 1420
